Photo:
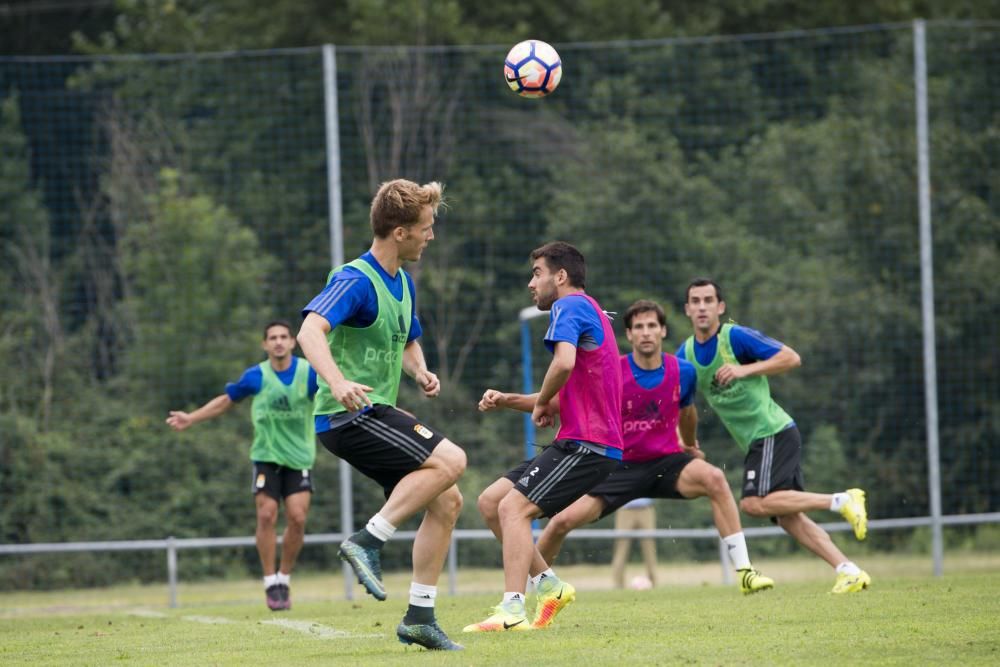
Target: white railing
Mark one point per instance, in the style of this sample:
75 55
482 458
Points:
172 545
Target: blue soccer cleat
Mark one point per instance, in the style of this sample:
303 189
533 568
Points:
428 635
367 564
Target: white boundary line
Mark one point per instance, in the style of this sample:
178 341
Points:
318 630
209 620
310 628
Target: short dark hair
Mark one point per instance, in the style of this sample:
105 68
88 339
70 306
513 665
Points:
645 306
702 282
560 255
277 323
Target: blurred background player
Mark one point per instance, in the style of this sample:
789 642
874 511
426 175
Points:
360 333
733 363
582 386
661 458
638 514
283 450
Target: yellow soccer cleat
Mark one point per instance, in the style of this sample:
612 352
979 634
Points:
855 513
852 583
752 581
554 595
506 617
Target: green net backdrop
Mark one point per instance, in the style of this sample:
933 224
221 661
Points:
156 211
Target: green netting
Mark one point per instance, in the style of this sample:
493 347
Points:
156 211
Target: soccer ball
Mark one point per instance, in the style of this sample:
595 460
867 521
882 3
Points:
641 582
532 68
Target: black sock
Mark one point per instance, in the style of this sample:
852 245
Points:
365 539
419 615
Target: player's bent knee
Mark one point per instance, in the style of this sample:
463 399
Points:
487 506
296 520
452 501
514 506
560 524
717 484
267 517
450 458
752 505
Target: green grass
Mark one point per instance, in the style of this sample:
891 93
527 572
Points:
907 617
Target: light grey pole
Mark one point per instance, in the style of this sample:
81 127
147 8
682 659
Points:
172 570
334 202
336 214
927 292
453 566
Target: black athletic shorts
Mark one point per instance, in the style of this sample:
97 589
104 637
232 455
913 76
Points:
564 471
773 464
656 478
383 443
278 481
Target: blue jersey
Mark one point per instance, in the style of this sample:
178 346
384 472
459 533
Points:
749 345
653 378
350 299
250 382
576 322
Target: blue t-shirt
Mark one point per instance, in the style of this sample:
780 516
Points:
573 320
350 299
749 345
653 378
250 382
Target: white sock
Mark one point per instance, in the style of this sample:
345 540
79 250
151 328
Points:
737 546
839 500
270 580
847 567
543 575
512 596
380 528
283 578
422 595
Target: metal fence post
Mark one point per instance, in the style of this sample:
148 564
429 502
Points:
453 566
335 213
172 570
927 292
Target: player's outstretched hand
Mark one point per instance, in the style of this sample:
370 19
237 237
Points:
179 420
491 400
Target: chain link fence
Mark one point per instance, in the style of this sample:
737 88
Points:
156 211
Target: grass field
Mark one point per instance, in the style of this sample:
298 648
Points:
907 617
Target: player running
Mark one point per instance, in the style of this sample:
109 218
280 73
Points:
733 363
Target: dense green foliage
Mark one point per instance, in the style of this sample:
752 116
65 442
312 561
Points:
154 212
